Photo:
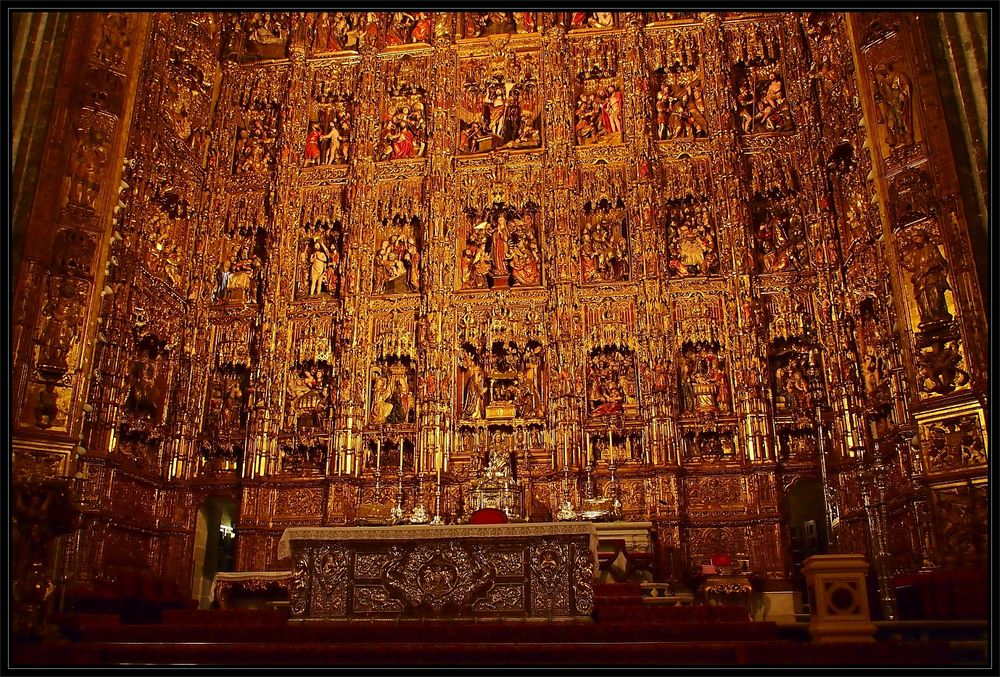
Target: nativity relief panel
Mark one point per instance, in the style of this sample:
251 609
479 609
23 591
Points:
398 241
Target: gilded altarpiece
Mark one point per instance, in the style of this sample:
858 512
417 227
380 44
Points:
641 254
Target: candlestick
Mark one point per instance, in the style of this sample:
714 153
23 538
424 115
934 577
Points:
437 500
401 454
566 448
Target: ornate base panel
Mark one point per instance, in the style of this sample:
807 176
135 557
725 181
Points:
543 571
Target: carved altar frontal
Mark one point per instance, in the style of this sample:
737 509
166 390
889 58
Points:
539 571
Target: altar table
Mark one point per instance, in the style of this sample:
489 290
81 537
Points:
492 571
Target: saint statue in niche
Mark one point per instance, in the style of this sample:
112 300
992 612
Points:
929 277
893 97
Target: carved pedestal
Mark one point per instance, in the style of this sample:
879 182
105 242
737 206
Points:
503 571
838 598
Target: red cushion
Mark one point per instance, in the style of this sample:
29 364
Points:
488 516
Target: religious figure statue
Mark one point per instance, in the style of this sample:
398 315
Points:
893 97
144 393
382 389
64 313
89 156
929 277
318 261
773 112
474 392
312 145
233 404
703 389
744 106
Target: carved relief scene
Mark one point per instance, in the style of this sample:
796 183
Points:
320 249
256 147
189 80
392 389
600 104
243 250
677 86
779 236
407 27
501 366
584 20
691 238
703 383
500 105
166 226
499 243
612 388
255 36
328 139
757 82
404 133
604 248
397 257
485 24
337 32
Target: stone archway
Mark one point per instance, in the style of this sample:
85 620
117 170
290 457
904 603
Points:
213 546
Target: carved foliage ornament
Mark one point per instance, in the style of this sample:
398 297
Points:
438 575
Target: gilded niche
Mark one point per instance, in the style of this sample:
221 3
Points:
501 247
500 105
